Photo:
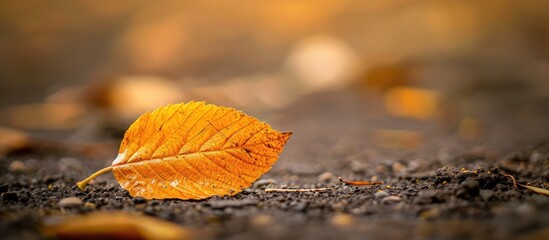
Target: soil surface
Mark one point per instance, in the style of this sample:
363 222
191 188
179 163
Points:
443 188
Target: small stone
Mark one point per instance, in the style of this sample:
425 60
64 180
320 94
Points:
339 150
139 200
398 167
293 178
342 220
545 176
165 214
432 213
416 164
381 194
358 166
264 182
18 167
32 164
381 169
10 197
486 194
149 211
536 157
347 190
299 206
261 220
325 177
524 209
248 191
391 199
89 205
70 202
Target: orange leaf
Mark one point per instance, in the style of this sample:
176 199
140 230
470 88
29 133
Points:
115 225
194 151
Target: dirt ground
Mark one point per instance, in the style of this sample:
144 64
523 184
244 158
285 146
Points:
442 187
471 110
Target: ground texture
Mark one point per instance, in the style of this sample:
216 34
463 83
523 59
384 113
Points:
439 187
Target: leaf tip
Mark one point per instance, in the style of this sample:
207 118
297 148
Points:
287 135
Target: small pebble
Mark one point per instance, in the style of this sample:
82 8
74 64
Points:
381 169
149 211
89 205
486 194
339 150
18 167
299 206
545 176
261 220
398 167
264 182
347 190
381 194
325 177
391 199
70 202
432 213
536 157
524 209
342 220
358 166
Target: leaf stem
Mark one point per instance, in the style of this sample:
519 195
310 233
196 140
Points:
82 184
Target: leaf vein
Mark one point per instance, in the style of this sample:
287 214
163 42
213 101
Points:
164 180
249 163
227 170
173 132
265 127
201 173
183 176
234 134
142 176
194 124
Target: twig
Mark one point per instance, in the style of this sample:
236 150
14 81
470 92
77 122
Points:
531 188
514 180
359 183
297 190
536 189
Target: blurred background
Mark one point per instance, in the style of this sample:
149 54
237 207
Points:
354 80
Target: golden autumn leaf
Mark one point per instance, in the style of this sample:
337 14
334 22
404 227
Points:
194 151
115 225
